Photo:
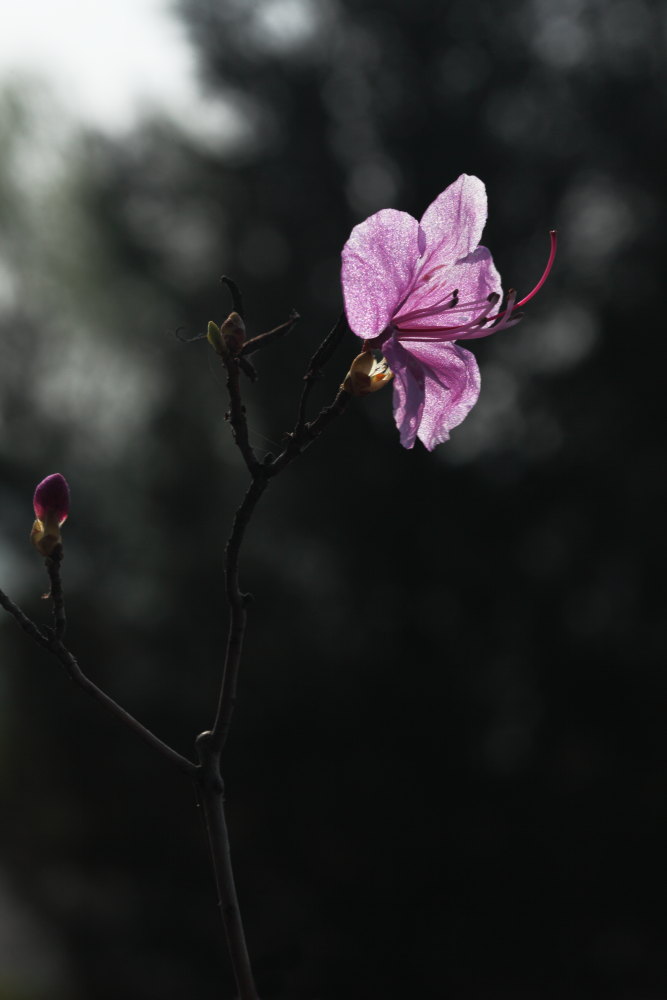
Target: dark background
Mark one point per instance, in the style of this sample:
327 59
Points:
446 776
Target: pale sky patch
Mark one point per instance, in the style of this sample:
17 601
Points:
105 62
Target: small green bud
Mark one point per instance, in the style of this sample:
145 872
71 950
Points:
214 338
228 339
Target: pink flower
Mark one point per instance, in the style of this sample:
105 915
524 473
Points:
412 288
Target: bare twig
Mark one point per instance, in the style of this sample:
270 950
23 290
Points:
75 673
52 564
315 365
237 415
212 797
235 292
211 744
305 434
24 622
238 603
54 645
237 600
188 340
326 349
264 339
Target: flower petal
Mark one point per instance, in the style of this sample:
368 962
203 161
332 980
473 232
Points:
379 263
453 223
408 390
435 387
474 277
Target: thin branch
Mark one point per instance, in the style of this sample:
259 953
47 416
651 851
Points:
188 340
238 601
211 794
326 349
211 744
303 436
315 365
24 622
237 609
235 292
52 564
264 339
67 660
75 673
237 415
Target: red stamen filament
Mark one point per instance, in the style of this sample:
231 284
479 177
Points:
553 236
483 317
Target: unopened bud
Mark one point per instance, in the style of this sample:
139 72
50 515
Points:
367 375
228 339
51 506
214 338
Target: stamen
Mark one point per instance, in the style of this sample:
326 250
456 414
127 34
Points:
509 307
553 236
448 306
475 327
479 320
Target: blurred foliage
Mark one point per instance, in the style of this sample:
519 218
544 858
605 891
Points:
447 768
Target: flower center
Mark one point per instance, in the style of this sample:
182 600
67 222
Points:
475 327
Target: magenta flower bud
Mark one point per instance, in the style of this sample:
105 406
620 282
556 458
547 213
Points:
51 505
52 497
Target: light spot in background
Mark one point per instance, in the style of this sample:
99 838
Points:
7 286
561 39
180 234
562 338
494 421
579 34
102 395
287 26
600 218
231 124
35 131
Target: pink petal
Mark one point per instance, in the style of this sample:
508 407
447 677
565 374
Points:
453 223
379 263
435 387
408 390
475 277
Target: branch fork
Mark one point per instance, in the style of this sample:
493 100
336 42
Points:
234 352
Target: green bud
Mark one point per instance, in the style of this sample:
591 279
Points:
214 338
